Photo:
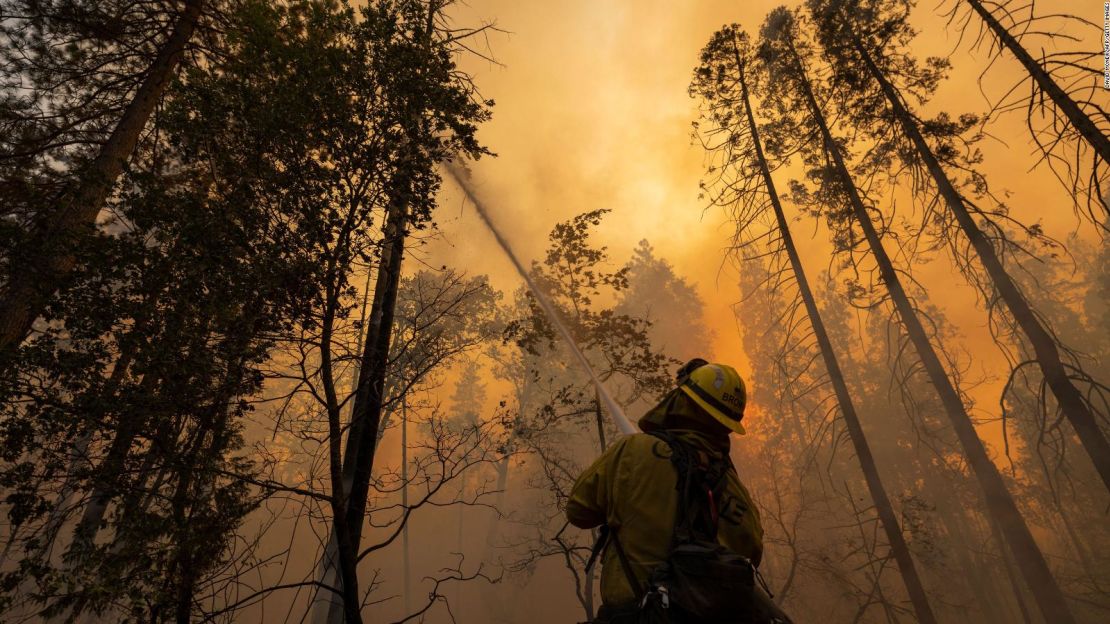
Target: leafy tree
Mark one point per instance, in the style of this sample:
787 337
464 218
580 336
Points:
160 339
559 423
424 111
271 165
672 304
470 394
82 60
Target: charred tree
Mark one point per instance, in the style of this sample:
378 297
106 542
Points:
727 59
1083 124
786 64
862 39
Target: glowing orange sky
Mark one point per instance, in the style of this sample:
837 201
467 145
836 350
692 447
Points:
592 112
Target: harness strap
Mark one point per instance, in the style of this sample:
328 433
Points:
700 477
599 546
606 535
637 589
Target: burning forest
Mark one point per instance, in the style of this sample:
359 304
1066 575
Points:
343 312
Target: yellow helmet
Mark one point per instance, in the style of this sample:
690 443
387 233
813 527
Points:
719 390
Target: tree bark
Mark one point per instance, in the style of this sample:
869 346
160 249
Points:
346 604
896 540
1078 119
43 262
80 458
358 458
111 469
1015 585
1000 504
367 411
1070 399
406 572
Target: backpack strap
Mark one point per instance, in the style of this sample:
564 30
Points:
700 482
637 589
600 545
608 535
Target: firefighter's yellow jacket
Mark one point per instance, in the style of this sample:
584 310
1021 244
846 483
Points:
631 487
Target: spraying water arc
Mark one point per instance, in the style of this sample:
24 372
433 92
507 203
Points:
615 412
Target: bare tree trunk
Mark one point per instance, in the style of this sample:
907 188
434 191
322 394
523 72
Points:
358 458
1078 119
80 459
1015 585
327 572
42 264
366 414
110 470
406 572
600 421
1000 505
1070 399
343 565
899 549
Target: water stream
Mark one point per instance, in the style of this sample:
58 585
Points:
462 178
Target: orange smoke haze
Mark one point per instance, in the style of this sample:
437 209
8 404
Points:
592 112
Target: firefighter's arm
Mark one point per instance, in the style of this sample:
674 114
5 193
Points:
588 504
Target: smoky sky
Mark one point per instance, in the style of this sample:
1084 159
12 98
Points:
592 111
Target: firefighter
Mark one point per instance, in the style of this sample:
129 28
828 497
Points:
633 491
